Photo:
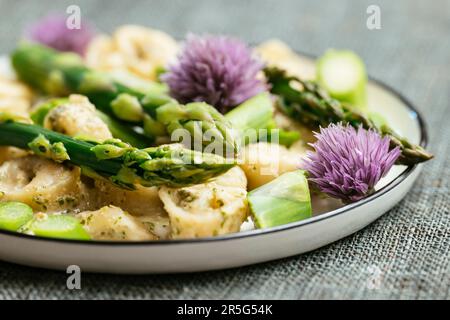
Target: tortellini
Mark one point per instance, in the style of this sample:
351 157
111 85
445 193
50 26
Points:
8 153
15 97
139 202
44 185
77 117
158 225
277 53
112 223
143 203
210 209
262 162
136 49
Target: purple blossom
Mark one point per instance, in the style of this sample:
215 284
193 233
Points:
348 162
215 69
53 32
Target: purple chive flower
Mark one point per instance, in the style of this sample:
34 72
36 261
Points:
215 69
348 162
53 32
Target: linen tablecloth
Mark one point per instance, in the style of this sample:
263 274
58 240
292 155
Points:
403 255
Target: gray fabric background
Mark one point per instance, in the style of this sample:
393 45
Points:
405 253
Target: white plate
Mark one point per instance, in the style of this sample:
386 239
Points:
238 249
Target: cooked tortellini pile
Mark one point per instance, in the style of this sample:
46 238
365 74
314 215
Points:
110 213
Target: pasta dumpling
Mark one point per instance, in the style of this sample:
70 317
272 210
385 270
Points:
112 223
8 153
279 54
43 185
77 118
210 209
136 49
262 162
140 202
158 225
15 97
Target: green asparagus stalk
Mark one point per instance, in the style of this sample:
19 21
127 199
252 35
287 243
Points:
283 200
255 114
118 129
252 115
14 215
55 226
119 162
343 74
286 138
60 74
308 103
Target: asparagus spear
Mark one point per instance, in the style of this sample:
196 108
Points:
119 162
255 114
309 104
14 215
55 226
250 116
58 73
286 138
283 200
343 74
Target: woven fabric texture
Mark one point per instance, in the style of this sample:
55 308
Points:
403 255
